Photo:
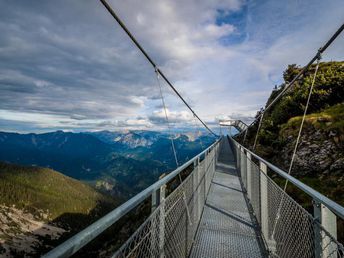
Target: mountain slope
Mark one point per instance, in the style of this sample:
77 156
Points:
38 206
319 159
122 163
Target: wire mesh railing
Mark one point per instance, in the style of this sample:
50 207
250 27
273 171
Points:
287 228
172 226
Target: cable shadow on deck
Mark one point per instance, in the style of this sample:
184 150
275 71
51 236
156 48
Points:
228 170
232 216
226 186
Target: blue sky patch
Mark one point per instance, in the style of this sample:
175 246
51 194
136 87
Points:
236 18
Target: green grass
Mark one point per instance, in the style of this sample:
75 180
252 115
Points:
330 119
44 190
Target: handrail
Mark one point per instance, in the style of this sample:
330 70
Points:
76 242
333 206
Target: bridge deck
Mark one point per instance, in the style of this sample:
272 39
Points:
226 228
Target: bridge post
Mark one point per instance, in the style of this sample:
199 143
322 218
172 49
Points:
243 167
199 192
155 199
317 233
154 237
158 235
248 173
204 178
195 187
323 244
237 150
264 212
162 222
329 223
206 157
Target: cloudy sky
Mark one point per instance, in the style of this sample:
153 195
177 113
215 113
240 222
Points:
67 64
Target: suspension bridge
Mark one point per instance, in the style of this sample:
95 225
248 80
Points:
228 205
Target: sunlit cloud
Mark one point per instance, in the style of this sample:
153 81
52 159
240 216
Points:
75 69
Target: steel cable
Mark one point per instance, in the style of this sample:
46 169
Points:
120 22
172 142
301 73
296 144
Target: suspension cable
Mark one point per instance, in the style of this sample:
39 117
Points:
172 143
259 125
198 132
302 72
167 120
303 121
119 21
296 144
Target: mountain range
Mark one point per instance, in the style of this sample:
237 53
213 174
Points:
120 163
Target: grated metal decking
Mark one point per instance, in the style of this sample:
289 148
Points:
226 228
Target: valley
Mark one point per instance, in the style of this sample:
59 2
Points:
120 163
40 207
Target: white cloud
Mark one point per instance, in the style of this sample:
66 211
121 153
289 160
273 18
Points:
175 117
80 68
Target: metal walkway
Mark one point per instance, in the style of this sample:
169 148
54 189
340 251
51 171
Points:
208 215
226 228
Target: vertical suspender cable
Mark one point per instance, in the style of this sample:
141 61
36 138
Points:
198 132
302 122
296 145
166 117
119 21
259 125
173 146
303 70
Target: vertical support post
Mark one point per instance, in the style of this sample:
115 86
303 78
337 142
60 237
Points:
245 136
249 174
214 160
317 233
264 200
155 199
237 148
204 173
329 223
195 189
199 192
186 242
243 167
155 224
264 208
207 172
162 222
204 178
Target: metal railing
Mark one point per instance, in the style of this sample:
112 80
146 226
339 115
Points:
175 217
287 228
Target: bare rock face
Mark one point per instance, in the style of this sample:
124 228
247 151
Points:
338 165
319 153
21 233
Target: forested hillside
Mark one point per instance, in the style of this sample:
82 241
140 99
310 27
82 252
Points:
38 206
319 160
320 155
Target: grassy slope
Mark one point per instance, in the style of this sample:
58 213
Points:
325 114
38 189
329 119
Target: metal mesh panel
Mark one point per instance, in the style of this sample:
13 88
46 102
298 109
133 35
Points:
289 230
171 228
